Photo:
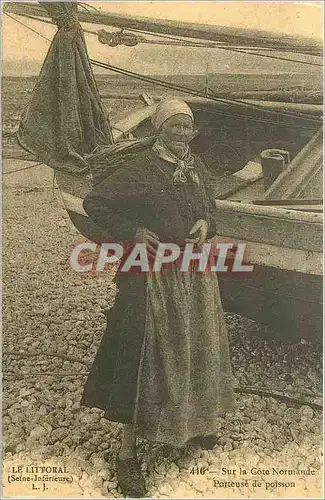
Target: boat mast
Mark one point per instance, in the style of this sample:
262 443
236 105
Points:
222 34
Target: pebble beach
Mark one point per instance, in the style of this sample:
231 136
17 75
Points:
53 321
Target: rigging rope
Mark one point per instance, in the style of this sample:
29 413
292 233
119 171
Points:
174 37
261 391
194 92
222 47
200 93
23 168
88 7
183 43
28 27
209 44
272 57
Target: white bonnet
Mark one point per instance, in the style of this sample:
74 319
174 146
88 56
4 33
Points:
167 108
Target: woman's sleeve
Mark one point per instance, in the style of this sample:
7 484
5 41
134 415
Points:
115 204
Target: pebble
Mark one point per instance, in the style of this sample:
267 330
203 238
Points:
306 412
59 434
165 489
24 392
173 470
291 415
222 441
38 432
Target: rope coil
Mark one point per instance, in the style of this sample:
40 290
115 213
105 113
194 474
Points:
119 38
164 39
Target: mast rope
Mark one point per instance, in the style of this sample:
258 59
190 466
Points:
200 93
205 43
174 37
28 27
109 36
194 92
23 168
269 56
114 38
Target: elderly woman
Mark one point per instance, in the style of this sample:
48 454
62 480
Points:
163 367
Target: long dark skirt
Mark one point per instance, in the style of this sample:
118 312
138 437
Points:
163 363
112 382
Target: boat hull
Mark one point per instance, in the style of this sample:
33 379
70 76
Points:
289 303
284 290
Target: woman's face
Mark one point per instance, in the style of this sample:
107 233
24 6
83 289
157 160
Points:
177 131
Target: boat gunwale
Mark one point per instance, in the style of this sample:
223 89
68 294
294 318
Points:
269 211
129 123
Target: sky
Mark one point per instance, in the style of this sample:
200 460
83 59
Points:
23 51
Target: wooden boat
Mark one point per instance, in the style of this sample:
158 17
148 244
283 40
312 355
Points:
265 159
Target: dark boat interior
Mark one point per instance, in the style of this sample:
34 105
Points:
230 140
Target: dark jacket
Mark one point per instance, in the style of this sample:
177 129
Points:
140 192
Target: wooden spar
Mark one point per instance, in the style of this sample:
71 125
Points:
262 95
249 209
296 176
131 122
232 35
292 201
301 108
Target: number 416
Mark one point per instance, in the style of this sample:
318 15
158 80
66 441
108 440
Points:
198 470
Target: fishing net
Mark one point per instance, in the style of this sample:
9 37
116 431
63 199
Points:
65 126
65 119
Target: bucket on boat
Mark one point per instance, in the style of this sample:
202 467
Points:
273 163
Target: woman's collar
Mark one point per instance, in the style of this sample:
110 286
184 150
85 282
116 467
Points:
161 149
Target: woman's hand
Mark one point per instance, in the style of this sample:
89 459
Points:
148 238
201 228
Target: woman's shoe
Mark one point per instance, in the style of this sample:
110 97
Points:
130 478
